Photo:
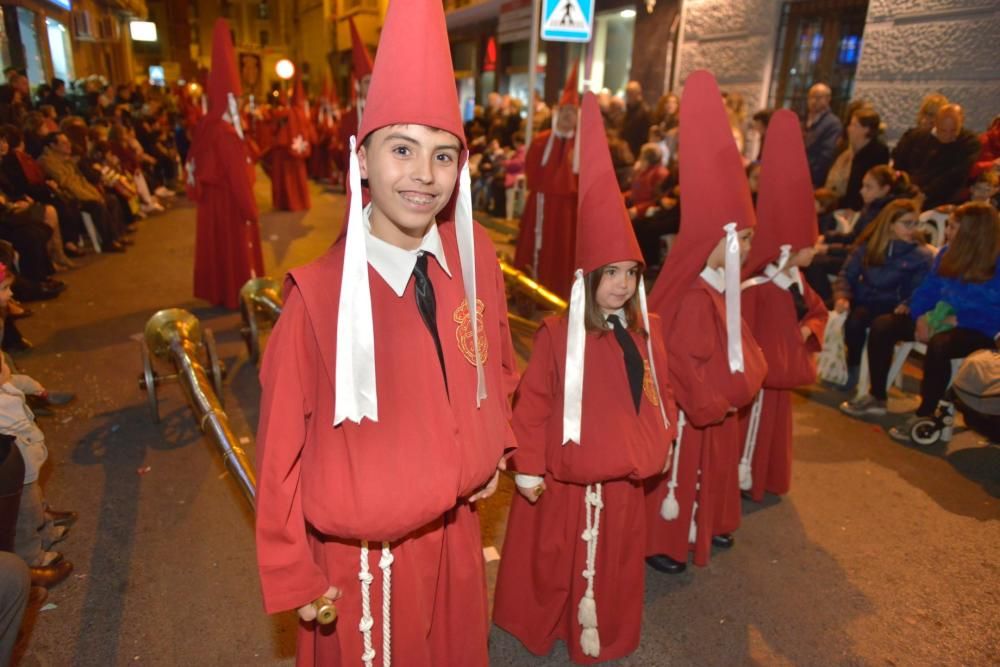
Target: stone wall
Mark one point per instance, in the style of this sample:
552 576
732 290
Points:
735 40
912 47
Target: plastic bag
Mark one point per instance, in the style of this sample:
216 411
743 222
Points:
832 361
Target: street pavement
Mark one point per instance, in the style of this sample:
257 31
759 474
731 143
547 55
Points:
882 554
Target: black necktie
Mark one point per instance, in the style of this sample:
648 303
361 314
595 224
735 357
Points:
800 302
634 366
427 305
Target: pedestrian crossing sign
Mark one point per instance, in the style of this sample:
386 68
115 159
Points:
567 20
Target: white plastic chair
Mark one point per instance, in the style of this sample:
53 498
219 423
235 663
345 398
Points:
88 224
899 357
934 222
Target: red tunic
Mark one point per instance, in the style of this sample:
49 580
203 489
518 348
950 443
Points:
557 183
404 479
227 241
539 584
770 313
706 391
321 159
293 142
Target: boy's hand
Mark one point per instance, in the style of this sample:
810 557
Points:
491 486
533 494
806 332
307 612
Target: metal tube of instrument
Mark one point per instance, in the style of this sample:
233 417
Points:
533 289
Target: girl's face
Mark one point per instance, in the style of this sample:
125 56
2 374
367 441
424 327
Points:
905 228
871 189
5 290
617 286
951 229
857 134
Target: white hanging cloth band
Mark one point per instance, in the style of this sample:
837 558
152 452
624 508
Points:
465 237
590 640
539 228
733 318
234 113
204 104
750 445
367 622
693 528
355 388
786 254
576 342
670 509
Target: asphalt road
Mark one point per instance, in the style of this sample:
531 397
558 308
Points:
882 554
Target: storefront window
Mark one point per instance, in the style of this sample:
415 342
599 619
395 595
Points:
62 52
613 34
32 52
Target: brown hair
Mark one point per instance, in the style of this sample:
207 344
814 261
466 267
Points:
594 319
827 199
898 181
869 119
972 255
878 234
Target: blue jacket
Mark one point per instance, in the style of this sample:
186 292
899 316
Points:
976 305
821 146
888 285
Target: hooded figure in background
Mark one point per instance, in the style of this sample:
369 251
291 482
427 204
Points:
294 137
220 182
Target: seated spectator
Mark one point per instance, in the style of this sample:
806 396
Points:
867 151
57 99
822 131
35 132
49 119
883 270
649 175
622 158
57 162
956 311
758 131
939 160
514 176
880 186
826 203
11 107
989 153
985 188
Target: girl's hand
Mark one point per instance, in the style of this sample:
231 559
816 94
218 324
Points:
842 305
922 332
491 486
307 612
533 494
806 332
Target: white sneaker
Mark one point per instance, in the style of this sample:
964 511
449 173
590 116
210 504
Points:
164 192
864 406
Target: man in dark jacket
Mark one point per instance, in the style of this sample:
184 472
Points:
939 160
823 130
636 127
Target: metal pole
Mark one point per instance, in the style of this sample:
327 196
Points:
532 68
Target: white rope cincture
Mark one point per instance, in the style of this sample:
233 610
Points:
590 640
365 626
367 622
750 446
670 509
693 530
385 564
539 224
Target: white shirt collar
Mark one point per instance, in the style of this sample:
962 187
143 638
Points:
620 314
784 279
395 264
715 277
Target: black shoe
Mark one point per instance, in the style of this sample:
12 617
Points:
724 541
665 564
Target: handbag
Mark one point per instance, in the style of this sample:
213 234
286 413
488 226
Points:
831 364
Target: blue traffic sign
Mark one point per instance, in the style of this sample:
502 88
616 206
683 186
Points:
567 20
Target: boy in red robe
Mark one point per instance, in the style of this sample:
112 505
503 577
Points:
716 367
220 176
548 225
594 417
384 412
786 316
294 137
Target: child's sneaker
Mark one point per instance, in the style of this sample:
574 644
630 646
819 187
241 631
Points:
865 406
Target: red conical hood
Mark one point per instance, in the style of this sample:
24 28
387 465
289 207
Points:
714 190
223 78
299 98
786 209
359 54
604 231
570 94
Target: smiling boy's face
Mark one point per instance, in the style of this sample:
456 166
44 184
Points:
412 171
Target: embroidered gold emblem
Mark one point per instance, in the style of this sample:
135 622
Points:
463 333
648 388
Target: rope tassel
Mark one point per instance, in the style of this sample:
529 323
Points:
670 509
750 446
590 640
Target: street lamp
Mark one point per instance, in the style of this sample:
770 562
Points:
285 69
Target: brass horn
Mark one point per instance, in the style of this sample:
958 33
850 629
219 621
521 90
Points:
260 306
522 282
175 336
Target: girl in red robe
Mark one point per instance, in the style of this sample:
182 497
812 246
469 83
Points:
294 137
590 429
220 182
716 366
785 315
385 387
